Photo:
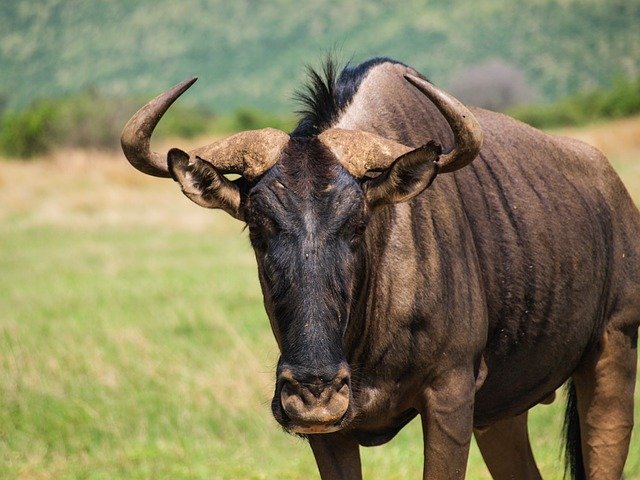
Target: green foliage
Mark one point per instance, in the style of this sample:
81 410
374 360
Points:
92 120
4 100
87 119
621 100
253 53
30 132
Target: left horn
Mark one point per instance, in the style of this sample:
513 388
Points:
249 154
136 136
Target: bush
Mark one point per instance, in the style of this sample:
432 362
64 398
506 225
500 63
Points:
28 133
91 120
621 100
86 119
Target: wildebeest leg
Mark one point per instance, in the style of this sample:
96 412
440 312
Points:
447 426
604 384
506 450
337 456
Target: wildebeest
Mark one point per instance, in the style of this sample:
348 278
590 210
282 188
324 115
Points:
399 283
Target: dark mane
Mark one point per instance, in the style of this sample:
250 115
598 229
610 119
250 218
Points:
324 96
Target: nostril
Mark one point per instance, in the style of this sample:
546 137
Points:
344 387
290 388
343 378
320 398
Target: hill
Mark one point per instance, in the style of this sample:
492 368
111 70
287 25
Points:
252 53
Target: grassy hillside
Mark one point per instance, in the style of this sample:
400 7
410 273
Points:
251 53
134 344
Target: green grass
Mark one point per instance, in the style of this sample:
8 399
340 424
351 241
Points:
133 354
145 354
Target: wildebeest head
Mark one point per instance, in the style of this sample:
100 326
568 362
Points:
307 201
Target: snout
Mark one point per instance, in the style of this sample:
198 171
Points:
313 403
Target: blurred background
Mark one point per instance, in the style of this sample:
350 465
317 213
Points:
133 341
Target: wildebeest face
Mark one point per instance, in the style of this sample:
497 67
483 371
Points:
306 221
307 216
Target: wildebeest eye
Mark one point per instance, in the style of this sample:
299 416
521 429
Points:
261 229
354 231
359 230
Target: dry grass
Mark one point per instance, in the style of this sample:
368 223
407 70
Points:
88 189
619 140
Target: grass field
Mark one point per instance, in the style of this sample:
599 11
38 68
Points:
133 342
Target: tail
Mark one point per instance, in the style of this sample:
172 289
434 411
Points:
574 463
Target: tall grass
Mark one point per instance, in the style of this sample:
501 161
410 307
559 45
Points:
122 358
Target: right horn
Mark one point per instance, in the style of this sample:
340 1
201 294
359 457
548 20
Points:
467 132
249 154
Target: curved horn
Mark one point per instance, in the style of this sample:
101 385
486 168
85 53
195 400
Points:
360 152
136 136
467 132
248 153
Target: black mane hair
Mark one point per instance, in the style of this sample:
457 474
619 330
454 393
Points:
324 97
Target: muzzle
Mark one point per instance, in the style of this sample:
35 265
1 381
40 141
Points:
312 403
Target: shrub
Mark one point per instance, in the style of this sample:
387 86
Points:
86 119
28 133
621 100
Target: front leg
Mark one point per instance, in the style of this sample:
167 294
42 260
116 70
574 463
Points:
447 425
337 456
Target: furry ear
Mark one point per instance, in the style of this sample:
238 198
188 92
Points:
408 175
203 184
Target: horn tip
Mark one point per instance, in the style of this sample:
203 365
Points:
185 84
